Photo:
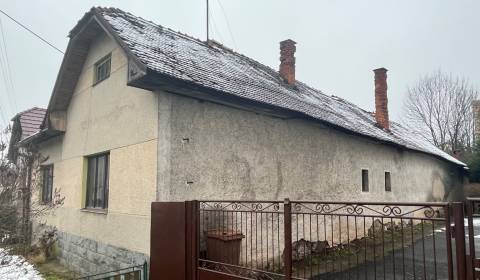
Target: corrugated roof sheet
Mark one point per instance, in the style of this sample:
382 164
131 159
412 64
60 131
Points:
175 54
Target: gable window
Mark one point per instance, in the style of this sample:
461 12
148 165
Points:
97 181
388 182
47 183
102 69
364 180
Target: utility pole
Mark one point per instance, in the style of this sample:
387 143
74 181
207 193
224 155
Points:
207 22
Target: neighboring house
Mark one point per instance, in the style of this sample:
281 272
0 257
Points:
141 113
24 125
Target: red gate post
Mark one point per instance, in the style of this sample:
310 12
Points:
287 255
459 229
168 246
191 241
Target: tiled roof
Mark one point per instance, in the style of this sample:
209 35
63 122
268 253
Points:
30 121
168 52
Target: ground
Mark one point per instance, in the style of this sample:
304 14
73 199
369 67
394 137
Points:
14 267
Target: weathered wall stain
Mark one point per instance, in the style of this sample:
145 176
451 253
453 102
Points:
236 154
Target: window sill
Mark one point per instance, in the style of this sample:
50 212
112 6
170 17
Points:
95 211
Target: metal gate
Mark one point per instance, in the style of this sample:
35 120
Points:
209 240
473 218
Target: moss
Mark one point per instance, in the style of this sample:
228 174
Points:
53 270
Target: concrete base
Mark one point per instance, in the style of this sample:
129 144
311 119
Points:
87 256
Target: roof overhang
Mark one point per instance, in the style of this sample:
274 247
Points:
81 36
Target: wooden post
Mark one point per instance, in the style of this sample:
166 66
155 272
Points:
287 255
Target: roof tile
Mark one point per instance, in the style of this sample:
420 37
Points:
175 54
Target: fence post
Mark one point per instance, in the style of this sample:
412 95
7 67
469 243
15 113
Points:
448 236
191 239
459 229
145 270
287 255
471 240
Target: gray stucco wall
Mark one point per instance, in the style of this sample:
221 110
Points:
212 151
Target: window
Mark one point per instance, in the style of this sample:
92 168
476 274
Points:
102 69
364 180
47 183
97 182
388 182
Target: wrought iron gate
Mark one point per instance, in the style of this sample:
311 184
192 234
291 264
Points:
209 240
473 218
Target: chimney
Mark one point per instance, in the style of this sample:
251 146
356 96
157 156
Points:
287 61
381 100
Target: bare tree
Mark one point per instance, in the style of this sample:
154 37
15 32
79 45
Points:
438 107
20 184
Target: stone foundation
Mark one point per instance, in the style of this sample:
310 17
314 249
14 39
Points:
87 256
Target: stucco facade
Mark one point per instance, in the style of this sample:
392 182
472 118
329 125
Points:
219 152
108 117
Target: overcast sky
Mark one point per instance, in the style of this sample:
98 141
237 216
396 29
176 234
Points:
339 43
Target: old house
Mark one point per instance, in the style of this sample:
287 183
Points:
141 113
24 125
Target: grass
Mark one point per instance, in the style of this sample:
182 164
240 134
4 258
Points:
53 270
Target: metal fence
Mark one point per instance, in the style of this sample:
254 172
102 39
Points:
473 222
138 272
325 240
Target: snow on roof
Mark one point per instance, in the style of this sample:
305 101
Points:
30 121
168 52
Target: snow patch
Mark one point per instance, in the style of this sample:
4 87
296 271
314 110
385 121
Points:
16 268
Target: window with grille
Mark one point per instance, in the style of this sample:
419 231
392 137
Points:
47 183
102 69
97 181
364 180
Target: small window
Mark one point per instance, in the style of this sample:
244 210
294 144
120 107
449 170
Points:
47 183
388 182
102 69
97 181
364 180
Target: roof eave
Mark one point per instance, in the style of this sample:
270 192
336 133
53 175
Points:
91 17
154 81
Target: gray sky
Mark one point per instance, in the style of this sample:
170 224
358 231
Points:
339 42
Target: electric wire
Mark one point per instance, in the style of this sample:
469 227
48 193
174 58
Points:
4 53
6 83
32 32
217 30
228 24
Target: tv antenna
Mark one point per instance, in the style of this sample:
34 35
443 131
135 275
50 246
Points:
207 21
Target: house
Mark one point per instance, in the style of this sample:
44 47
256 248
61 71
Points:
24 125
141 113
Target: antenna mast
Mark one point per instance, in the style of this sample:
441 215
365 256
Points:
207 22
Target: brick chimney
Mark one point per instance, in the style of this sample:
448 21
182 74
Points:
381 100
287 61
